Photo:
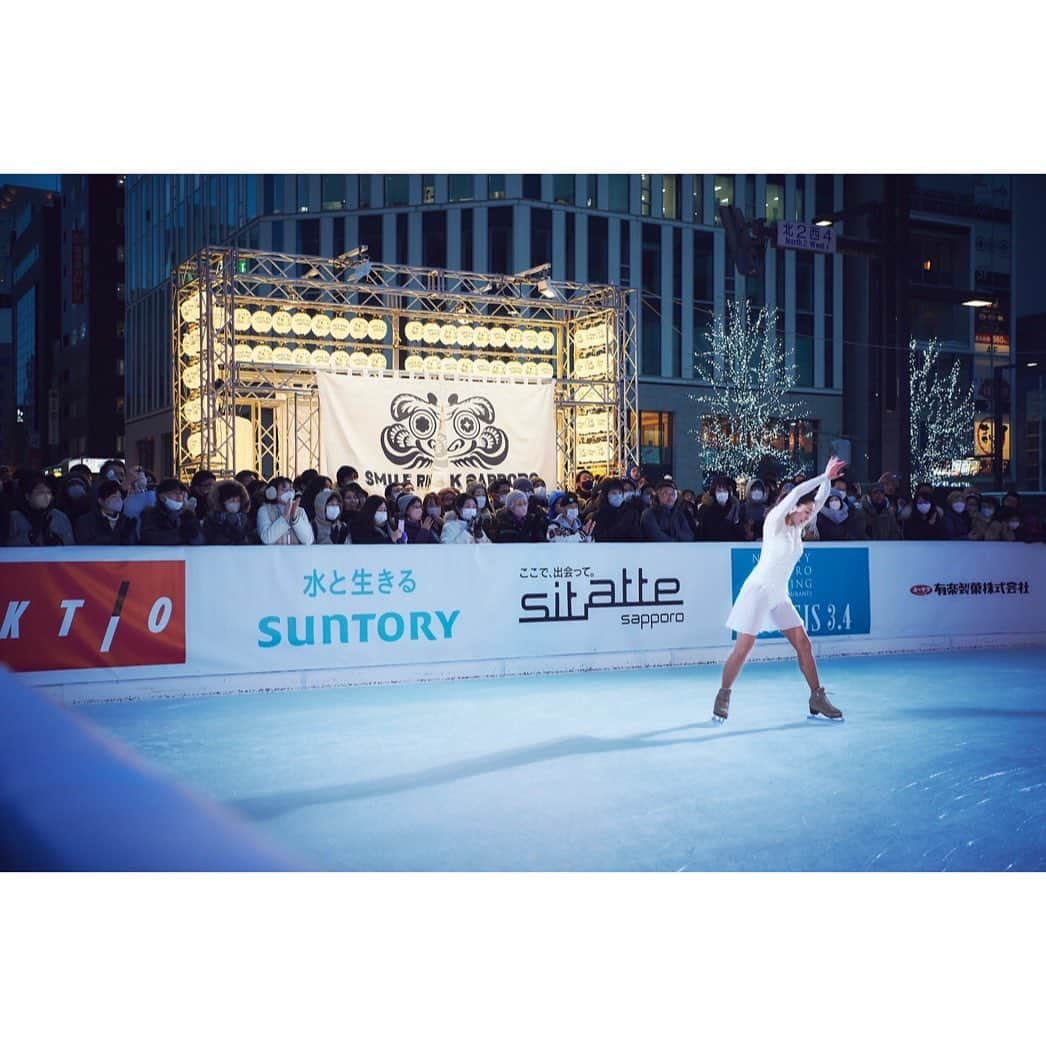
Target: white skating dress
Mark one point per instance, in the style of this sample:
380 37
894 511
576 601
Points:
763 602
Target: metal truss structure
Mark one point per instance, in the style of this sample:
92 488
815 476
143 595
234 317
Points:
250 330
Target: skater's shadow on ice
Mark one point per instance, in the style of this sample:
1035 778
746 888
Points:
969 713
266 807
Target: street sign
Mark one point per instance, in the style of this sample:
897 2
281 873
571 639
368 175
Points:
804 236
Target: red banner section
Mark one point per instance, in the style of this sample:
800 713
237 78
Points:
92 614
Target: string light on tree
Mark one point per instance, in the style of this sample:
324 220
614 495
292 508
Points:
747 407
942 410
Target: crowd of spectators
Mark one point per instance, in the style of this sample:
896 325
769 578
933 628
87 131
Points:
121 506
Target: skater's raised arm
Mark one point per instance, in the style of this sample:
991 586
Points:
822 484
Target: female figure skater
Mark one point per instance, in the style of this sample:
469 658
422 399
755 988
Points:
763 600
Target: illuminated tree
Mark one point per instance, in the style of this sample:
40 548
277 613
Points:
746 410
941 414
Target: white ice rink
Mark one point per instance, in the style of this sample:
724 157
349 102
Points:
940 765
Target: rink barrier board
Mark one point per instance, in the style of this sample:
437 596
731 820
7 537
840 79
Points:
90 624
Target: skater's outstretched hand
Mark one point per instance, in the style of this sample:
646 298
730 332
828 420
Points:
836 467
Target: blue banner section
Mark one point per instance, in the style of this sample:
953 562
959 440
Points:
829 588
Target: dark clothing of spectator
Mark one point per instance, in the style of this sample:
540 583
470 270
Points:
227 528
508 529
924 527
30 527
419 535
665 524
720 522
829 529
617 524
956 524
96 528
881 521
161 526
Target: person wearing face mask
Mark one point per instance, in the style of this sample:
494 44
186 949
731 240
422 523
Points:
616 517
514 523
462 525
583 486
373 525
107 523
540 498
764 603
663 520
353 498
392 493
417 524
566 526
74 497
281 519
328 524
200 487
227 521
924 524
1006 526
309 492
172 521
880 515
435 506
499 492
34 521
719 517
753 510
833 519
955 521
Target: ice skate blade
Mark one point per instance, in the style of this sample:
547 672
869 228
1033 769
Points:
718 720
816 717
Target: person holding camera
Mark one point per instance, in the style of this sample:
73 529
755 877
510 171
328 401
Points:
281 519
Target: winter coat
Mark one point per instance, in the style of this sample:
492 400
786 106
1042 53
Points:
223 528
564 529
720 522
508 530
618 524
31 528
458 531
752 515
665 524
274 529
882 523
325 531
829 530
930 527
957 525
93 528
161 526
419 535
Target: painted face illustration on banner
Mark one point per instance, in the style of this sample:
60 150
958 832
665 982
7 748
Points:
427 432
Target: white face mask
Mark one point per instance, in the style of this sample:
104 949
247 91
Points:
433 511
75 491
1014 524
540 492
722 497
571 513
757 495
615 500
469 513
113 505
381 518
481 501
333 512
959 506
835 504
232 507
287 496
174 506
270 493
987 511
40 501
923 506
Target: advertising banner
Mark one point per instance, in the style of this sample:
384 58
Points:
92 614
294 615
436 432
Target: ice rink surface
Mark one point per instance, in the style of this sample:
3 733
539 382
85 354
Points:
939 766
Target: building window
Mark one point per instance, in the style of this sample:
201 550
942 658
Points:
800 210
598 247
723 187
308 236
302 195
402 240
670 196
618 192
333 192
496 186
824 194
467 239
590 190
460 187
655 443
397 190
775 198
428 188
532 187
644 194
434 239
364 193
697 199
372 234
499 239
563 188
540 236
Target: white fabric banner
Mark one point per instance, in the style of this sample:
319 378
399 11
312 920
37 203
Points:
436 432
